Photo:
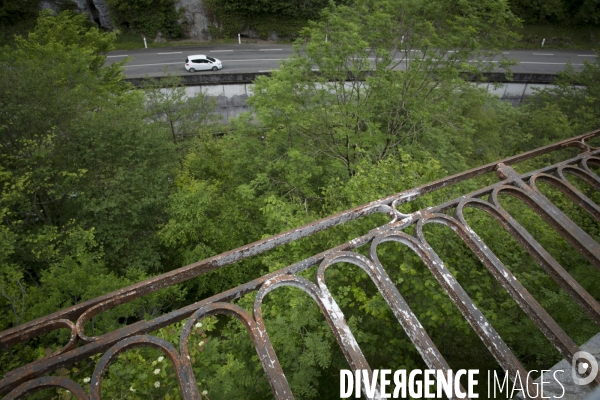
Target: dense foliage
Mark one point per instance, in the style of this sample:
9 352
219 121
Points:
102 186
261 17
147 17
84 179
296 8
564 12
17 11
17 16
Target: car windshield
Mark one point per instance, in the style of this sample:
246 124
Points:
210 59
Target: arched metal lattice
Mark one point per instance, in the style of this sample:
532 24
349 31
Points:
32 377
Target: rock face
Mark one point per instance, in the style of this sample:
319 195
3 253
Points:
103 14
97 10
49 5
159 38
196 19
250 34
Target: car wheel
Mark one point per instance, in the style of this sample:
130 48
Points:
192 70
215 68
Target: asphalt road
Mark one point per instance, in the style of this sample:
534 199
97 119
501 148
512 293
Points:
266 57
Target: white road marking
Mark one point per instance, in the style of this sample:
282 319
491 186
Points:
265 70
173 52
586 55
123 55
546 63
526 62
256 59
218 51
149 65
271 49
505 52
542 54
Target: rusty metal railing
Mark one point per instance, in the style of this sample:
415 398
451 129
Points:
34 376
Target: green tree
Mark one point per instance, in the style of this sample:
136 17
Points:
184 116
213 211
14 11
73 136
17 17
102 186
83 175
359 105
585 12
559 12
537 12
575 98
296 8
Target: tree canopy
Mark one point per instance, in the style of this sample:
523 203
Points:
103 185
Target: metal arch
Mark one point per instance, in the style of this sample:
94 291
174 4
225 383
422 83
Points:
589 177
46 382
332 313
53 325
537 252
260 339
413 328
586 167
509 282
470 311
182 366
554 217
580 144
584 140
562 184
89 314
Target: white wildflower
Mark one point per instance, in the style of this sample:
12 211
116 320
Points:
160 359
86 380
157 384
198 325
201 343
153 363
204 392
131 389
156 371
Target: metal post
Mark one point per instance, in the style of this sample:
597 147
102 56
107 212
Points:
543 41
145 44
405 52
239 39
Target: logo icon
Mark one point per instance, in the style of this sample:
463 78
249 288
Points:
585 368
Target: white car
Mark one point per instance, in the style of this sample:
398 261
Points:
201 62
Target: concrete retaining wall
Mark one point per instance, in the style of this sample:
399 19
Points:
249 77
232 90
231 99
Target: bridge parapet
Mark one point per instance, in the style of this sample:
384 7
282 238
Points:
405 229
